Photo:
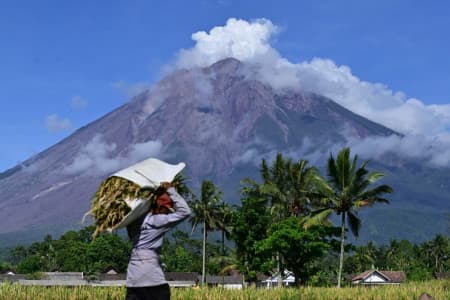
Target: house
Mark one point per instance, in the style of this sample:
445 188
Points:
181 279
287 278
110 279
9 272
227 282
442 275
11 277
111 271
375 277
174 279
56 278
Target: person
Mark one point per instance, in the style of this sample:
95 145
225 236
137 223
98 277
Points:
145 277
196 286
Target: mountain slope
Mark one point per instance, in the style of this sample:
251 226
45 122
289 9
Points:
219 120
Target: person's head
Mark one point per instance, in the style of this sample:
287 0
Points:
163 204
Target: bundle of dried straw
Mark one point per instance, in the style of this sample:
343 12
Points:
110 204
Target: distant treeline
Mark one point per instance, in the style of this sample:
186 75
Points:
77 252
282 223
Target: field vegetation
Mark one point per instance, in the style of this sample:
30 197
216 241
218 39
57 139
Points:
439 289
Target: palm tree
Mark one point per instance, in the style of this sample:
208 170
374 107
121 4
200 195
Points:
364 258
348 191
206 212
291 187
436 252
225 212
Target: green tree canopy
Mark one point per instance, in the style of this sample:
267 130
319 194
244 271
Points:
253 211
298 247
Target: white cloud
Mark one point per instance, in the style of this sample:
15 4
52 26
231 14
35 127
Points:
431 150
55 124
98 157
78 102
238 38
249 42
94 157
374 101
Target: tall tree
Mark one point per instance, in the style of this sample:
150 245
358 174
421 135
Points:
225 212
180 253
108 250
298 247
206 212
291 186
253 211
437 253
290 189
348 191
363 259
18 254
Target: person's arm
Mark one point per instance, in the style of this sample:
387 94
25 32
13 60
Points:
182 211
180 204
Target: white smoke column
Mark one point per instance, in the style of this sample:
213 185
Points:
249 42
238 38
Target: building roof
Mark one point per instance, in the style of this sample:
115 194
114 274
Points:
109 277
11 278
390 276
181 276
261 276
110 270
217 279
442 275
395 276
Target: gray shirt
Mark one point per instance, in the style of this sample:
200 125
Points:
144 268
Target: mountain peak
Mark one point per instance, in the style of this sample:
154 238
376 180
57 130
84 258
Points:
226 61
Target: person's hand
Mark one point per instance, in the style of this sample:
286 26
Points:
165 185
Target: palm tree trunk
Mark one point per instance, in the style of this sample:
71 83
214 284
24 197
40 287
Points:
341 258
223 242
204 253
223 255
280 279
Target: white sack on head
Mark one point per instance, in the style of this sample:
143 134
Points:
151 172
147 173
127 195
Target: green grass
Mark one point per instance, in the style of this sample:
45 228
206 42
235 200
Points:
439 289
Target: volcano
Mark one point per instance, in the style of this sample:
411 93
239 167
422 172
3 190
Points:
221 121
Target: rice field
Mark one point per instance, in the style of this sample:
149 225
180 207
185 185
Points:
439 289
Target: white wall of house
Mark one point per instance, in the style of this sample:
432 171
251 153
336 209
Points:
273 281
230 286
374 278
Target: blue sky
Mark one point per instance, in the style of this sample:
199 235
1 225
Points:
66 63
